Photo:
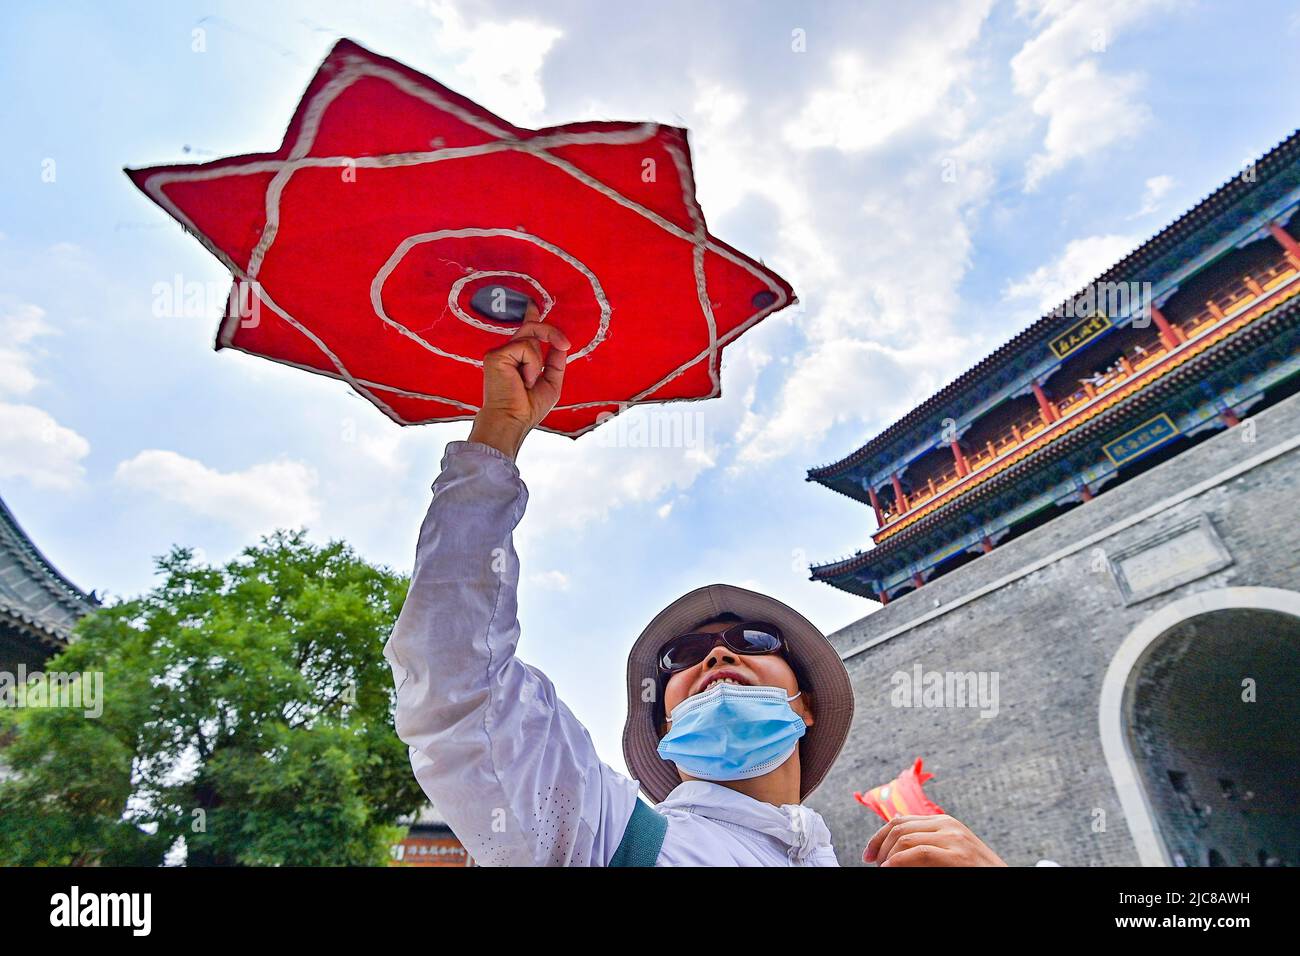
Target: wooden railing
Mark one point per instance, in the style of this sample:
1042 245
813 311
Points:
1236 295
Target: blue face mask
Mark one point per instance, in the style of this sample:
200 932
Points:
732 732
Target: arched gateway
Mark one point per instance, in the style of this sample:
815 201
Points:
1200 725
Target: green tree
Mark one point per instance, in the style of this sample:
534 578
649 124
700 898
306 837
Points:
247 710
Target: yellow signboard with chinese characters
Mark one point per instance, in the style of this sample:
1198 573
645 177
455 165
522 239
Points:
1135 443
1078 335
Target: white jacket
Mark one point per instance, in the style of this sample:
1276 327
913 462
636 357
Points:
505 762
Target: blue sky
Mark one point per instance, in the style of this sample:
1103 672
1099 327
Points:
929 176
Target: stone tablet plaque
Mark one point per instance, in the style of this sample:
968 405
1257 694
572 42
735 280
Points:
1170 559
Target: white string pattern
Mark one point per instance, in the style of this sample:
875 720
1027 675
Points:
357 67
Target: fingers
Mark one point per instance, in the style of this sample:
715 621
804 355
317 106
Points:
924 855
905 834
530 336
904 840
542 332
873 845
882 842
530 364
556 360
937 840
872 850
536 352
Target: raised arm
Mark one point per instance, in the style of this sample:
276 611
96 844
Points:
506 763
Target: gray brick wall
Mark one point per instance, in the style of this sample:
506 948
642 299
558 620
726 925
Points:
1032 781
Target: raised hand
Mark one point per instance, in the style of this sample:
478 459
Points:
521 384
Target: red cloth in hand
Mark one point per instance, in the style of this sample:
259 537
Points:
904 794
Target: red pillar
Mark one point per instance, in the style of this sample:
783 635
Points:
963 469
900 499
986 544
917 580
1168 334
1289 245
884 597
1230 417
875 506
1045 407
1084 493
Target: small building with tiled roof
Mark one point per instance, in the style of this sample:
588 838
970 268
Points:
38 605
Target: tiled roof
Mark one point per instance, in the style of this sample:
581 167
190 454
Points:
34 595
1272 162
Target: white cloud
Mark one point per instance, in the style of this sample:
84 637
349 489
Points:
549 580
844 380
576 483
378 441
19 326
875 253
1081 262
1058 71
1156 188
876 95
879 322
734 160
278 494
36 448
876 248
33 446
500 61
718 105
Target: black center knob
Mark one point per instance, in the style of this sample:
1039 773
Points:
500 303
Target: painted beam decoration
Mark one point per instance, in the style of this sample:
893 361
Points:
1138 441
366 247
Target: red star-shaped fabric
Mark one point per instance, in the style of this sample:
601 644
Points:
357 246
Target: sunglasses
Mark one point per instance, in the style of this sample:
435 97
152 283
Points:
748 638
